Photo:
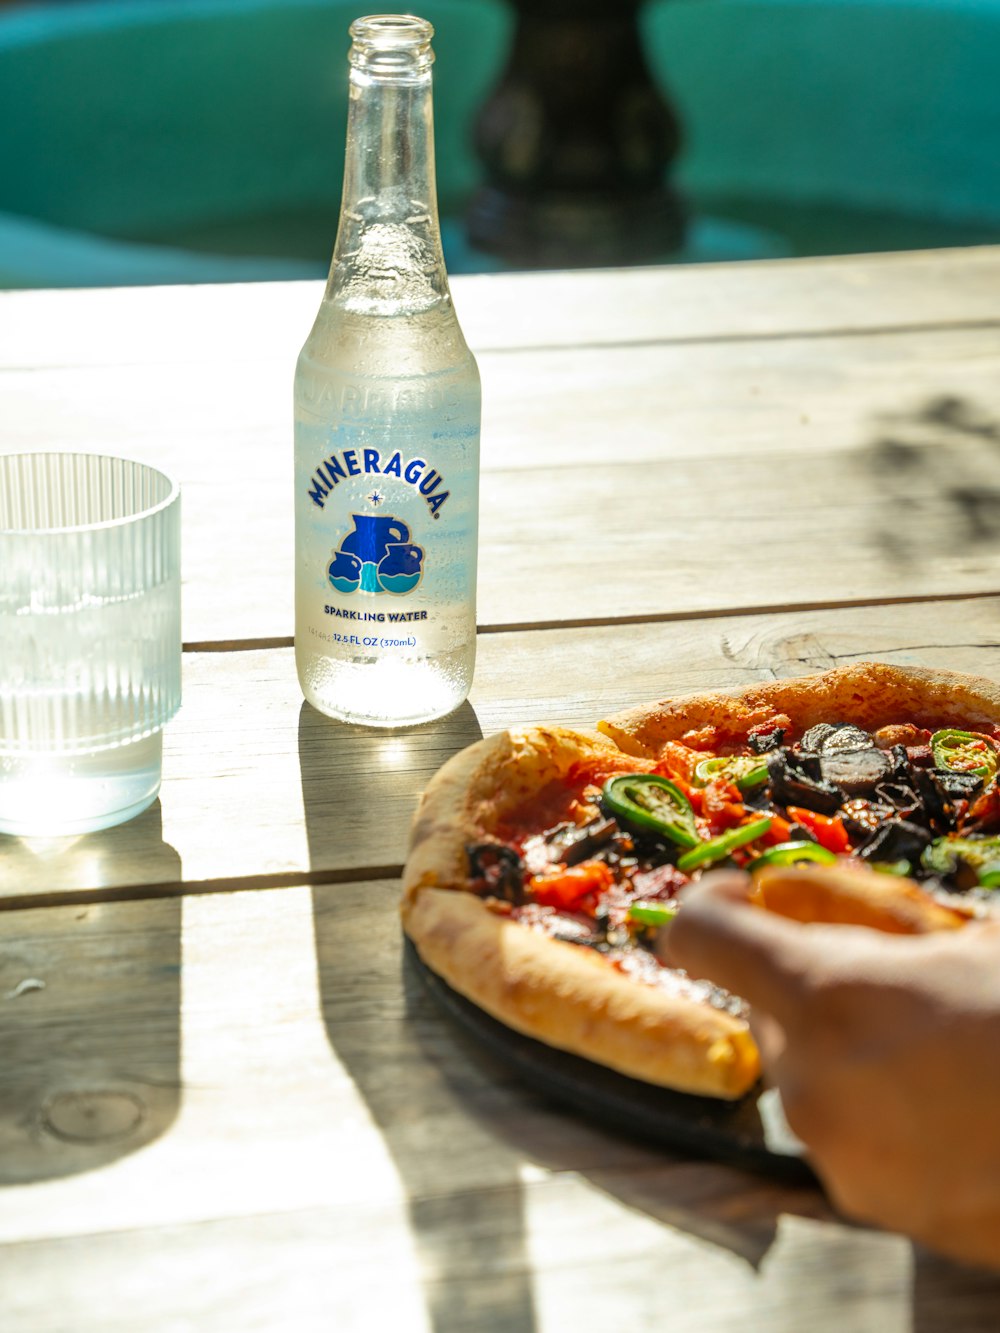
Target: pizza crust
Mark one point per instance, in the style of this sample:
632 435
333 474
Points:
869 694
572 999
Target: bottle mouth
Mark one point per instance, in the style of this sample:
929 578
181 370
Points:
391 43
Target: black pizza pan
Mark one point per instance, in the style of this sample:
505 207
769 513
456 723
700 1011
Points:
749 1132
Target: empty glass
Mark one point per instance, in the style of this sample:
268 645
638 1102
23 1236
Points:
90 639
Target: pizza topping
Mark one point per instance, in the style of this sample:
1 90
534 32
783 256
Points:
664 881
861 818
984 813
791 784
855 772
828 830
571 927
642 966
898 796
722 806
813 739
966 860
941 792
896 840
767 736
652 804
717 849
964 752
569 886
836 738
600 862
567 844
901 733
496 870
745 771
792 853
651 914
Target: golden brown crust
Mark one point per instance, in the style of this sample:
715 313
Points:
469 795
573 999
869 694
854 896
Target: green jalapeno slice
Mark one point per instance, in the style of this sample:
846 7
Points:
791 853
964 752
651 914
989 876
943 854
654 804
716 849
900 868
745 770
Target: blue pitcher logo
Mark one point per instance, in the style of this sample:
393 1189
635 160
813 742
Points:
377 556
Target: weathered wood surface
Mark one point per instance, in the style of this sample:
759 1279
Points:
230 1104
308 1143
784 299
259 788
880 448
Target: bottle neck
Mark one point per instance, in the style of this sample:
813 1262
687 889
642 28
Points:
388 256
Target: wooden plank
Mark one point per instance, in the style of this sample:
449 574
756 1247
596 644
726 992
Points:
253 322
294 1015
883 444
259 788
225 427
329 1127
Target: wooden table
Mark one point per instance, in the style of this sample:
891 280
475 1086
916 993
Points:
226 1103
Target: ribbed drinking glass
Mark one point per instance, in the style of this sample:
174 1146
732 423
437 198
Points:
90 639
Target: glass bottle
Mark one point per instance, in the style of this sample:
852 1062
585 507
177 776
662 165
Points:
387 416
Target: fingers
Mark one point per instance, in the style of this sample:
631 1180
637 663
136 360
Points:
721 935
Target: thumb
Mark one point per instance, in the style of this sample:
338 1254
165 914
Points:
721 935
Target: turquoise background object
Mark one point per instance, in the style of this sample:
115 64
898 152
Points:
890 104
190 140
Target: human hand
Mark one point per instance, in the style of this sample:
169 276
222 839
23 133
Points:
886 1050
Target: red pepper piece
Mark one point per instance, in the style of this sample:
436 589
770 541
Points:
567 887
722 805
828 830
779 832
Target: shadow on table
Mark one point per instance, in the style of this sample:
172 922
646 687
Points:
478 1151
348 776
89 1010
460 1127
934 470
767 1222
360 785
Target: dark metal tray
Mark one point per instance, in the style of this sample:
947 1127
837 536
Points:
745 1133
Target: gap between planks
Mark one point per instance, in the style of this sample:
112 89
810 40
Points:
126 893
751 336
651 618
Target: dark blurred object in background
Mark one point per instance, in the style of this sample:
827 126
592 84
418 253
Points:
575 143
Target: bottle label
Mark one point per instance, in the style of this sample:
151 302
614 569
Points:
415 472
386 535
377 556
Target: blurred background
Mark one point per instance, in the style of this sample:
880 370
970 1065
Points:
153 141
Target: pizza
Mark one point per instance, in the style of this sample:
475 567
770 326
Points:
544 861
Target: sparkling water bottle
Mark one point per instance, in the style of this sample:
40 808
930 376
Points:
387 412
